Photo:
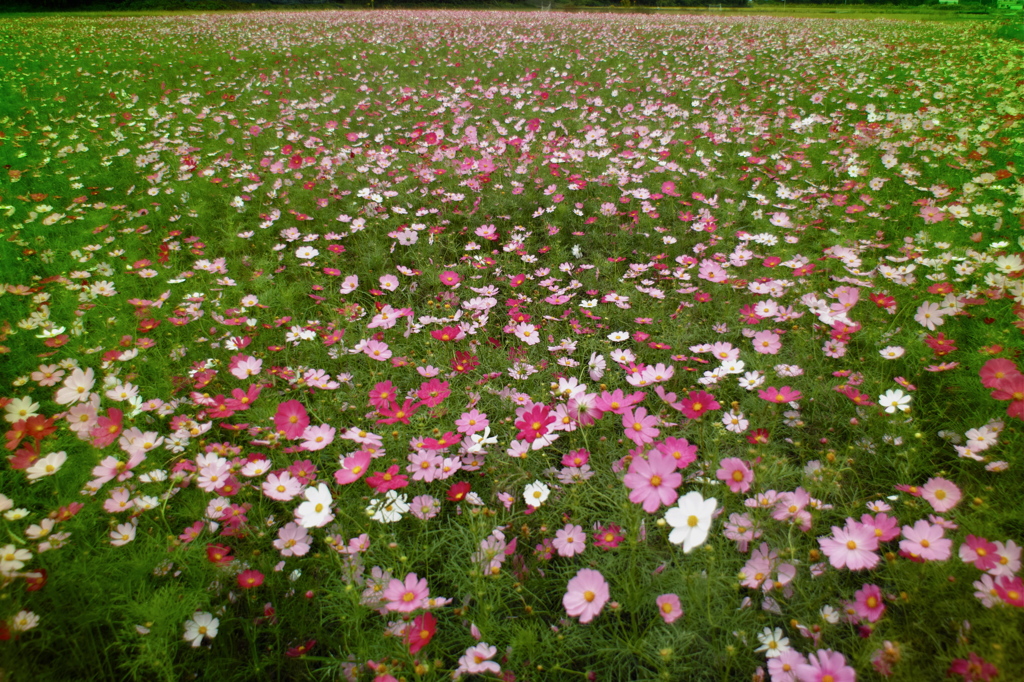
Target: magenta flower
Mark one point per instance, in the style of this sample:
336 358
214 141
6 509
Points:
980 552
585 595
924 540
570 540
406 596
669 608
973 669
534 423
825 665
735 473
640 426
941 494
1010 590
653 481
352 468
697 403
450 278
779 395
680 450
868 603
291 419
852 547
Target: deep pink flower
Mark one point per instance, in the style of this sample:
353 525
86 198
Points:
586 595
980 552
432 393
352 468
534 423
868 603
383 481
450 278
383 394
996 370
1010 590
779 395
653 481
697 403
973 669
291 419
680 450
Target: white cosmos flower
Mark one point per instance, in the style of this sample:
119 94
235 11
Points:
201 625
773 644
690 520
536 493
315 512
390 509
891 352
618 336
894 399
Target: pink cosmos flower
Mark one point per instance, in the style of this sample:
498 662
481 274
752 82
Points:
377 350
1007 559
653 481
283 487
317 437
735 473
472 421
697 403
941 494
852 547
973 669
586 594
476 660
383 394
352 468
291 418
640 426
450 278
766 342
617 401
406 596
669 608
997 369
783 667
527 333
680 450
825 665
1010 590
779 395
570 540
925 541
868 603
432 393
534 423
980 552
292 540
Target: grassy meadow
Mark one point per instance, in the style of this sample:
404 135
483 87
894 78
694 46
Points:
430 345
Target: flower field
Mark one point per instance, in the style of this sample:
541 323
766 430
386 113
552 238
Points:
524 346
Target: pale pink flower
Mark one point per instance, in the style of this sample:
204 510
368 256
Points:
406 596
570 540
653 481
586 594
941 494
926 541
852 547
76 387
